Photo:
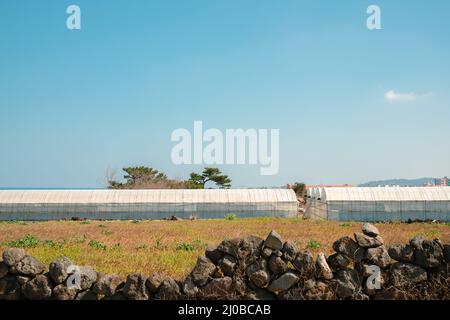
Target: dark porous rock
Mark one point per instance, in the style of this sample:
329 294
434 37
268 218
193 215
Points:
108 284
154 281
366 241
227 264
370 230
168 290
230 246
58 269
378 256
278 253
277 265
61 292
360 296
37 289
29 266
12 256
213 254
402 253
3 269
404 274
349 247
289 250
274 241
9 288
218 288
217 273
304 263
258 273
135 288
266 252
347 283
283 282
390 293
189 289
239 286
87 295
447 253
318 290
88 277
416 242
430 255
322 269
259 294
250 247
338 261
22 280
116 296
202 271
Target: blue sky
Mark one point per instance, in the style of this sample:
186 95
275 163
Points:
75 103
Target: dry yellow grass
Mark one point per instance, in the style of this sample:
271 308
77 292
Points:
171 247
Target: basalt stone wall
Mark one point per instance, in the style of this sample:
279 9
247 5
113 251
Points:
361 268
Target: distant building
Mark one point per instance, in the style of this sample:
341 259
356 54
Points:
444 182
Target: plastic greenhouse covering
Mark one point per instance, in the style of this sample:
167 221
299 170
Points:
144 204
380 203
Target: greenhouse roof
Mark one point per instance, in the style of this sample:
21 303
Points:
146 196
386 194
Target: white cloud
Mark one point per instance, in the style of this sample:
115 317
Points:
394 96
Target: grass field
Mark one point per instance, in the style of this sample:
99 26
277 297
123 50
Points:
171 247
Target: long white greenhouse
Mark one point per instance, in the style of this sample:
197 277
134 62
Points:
379 203
145 204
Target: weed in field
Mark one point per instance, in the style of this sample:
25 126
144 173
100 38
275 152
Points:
117 246
54 244
194 245
85 222
28 241
101 226
21 223
184 246
107 232
97 245
313 244
346 224
199 244
141 246
159 245
135 221
230 217
79 239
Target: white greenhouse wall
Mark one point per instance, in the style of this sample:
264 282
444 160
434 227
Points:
145 204
382 204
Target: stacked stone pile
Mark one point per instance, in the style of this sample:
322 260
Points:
361 268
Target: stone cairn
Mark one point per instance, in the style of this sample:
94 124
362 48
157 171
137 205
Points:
254 269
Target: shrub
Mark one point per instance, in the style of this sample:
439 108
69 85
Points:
230 217
28 241
184 246
313 244
54 244
97 245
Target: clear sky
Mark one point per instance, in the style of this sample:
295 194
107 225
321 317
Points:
351 104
